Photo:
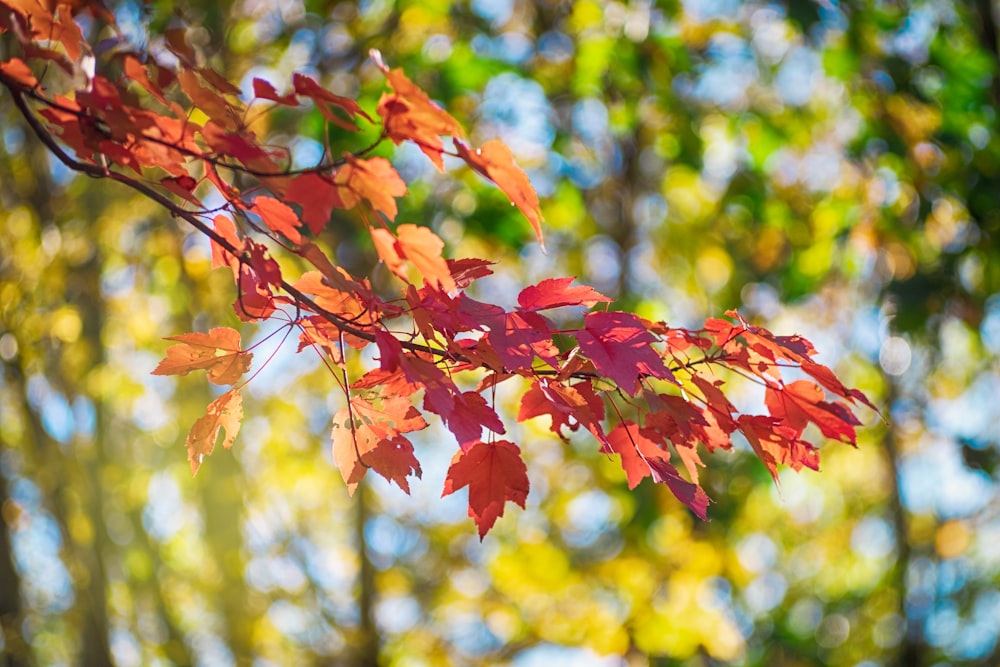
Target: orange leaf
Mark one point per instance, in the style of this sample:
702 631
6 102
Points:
217 352
375 440
18 70
495 161
225 228
423 248
373 179
278 217
225 412
409 114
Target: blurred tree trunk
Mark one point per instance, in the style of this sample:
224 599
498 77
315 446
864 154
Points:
910 649
366 647
16 651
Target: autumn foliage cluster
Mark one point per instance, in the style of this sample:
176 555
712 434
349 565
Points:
177 131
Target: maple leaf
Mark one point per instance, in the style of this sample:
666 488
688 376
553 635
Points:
324 99
517 337
495 161
224 413
393 458
495 473
225 228
373 440
467 269
217 352
182 186
687 492
409 114
19 71
635 448
421 247
317 196
255 300
556 292
563 402
373 179
801 402
278 216
776 443
265 91
343 299
620 345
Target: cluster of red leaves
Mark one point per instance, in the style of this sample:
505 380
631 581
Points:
648 393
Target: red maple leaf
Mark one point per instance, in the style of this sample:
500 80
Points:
317 196
620 345
801 402
556 292
635 449
776 443
263 90
495 473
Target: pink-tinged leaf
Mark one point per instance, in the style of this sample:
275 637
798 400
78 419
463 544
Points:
495 473
519 336
265 91
467 269
620 345
556 292
255 300
265 266
278 217
688 493
317 196
495 161
217 352
468 418
390 350
223 414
